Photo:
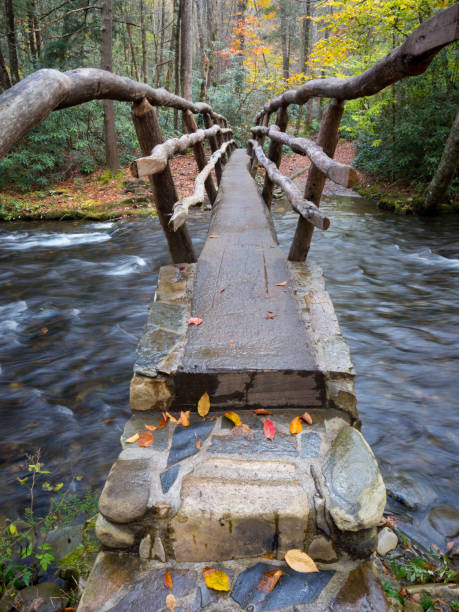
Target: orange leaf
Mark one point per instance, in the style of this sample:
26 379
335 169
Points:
170 417
267 556
198 444
171 602
213 236
300 561
281 284
146 438
204 405
269 429
133 438
163 421
194 321
269 315
107 421
235 418
184 419
306 417
44 330
269 580
261 411
150 427
296 426
216 579
168 580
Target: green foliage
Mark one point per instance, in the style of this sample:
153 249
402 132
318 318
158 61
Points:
391 591
401 132
66 142
426 602
25 553
420 571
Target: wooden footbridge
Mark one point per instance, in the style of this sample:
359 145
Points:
248 330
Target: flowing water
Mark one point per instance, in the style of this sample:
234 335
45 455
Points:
74 300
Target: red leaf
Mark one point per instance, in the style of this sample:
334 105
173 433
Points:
168 580
146 438
269 315
269 429
194 321
306 417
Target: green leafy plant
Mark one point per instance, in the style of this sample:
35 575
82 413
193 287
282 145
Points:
391 591
420 570
25 553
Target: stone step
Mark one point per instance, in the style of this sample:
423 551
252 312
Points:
211 492
119 582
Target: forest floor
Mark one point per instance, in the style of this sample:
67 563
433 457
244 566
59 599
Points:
100 196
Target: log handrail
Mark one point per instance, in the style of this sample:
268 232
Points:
47 90
411 58
162 153
181 208
342 174
306 209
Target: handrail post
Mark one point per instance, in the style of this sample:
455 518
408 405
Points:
214 146
149 135
264 121
275 155
327 139
200 155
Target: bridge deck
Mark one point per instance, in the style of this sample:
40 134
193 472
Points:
236 288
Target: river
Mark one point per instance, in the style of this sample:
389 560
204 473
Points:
74 300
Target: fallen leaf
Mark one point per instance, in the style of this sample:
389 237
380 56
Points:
232 342
281 284
269 580
261 411
213 236
194 321
300 561
133 438
150 427
269 315
269 429
204 405
216 579
450 545
184 419
44 330
170 417
107 421
198 444
221 290
306 417
232 416
296 426
242 431
168 580
163 422
146 438
171 602
267 556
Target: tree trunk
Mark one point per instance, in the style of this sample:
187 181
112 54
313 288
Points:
144 42
111 144
177 60
437 190
131 46
240 22
186 49
284 40
4 76
11 37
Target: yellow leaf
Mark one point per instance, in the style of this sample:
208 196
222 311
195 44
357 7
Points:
150 427
204 405
133 438
170 417
232 416
171 602
300 561
216 579
296 426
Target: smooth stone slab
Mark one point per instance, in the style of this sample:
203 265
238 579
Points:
168 477
409 491
185 438
137 423
445 519
310 444
356 495
292 589
362 591
257 444
124 497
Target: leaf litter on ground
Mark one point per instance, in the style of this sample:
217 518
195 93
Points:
233 417
215 579
269 429
269 580
204 405
300 561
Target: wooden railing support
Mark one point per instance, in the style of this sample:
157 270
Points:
200 156
260 138
149 135
214 146
327 139
275 155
